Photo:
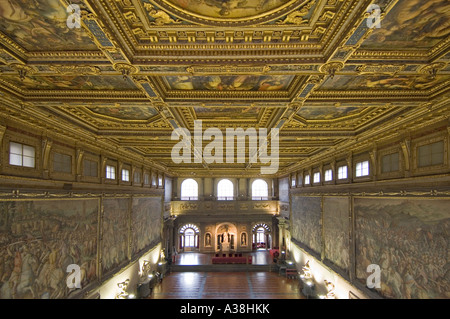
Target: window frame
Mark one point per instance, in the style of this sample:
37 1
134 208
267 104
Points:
63 155
305 181
22 155
317 177
328 173
125 172
183 188
265 195
362 169
108 172
225 197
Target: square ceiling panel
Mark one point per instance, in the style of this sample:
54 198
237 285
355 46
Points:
412 24
41 25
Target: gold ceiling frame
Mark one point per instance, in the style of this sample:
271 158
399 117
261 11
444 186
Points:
191 16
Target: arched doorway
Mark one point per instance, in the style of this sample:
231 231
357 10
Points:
188 238
262 236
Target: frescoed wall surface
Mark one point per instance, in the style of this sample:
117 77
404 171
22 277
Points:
306 214
115 228
409 240
39 239
336 226
146 223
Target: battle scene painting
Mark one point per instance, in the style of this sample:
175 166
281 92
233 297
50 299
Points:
409 239
39 239
306 216
336 228
115 228
145 223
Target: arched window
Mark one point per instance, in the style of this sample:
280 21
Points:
225 190
189 189
260 190
189 236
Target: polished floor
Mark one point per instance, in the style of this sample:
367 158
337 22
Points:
227 285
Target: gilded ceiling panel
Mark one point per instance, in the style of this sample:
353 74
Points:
325 112
226 12
125 112
70 82
226 112
41 25
382 82
412 24
230 82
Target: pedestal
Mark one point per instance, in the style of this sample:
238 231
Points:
225 247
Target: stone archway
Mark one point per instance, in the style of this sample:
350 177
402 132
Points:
261 236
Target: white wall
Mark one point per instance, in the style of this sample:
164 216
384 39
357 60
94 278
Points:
109 289
321 272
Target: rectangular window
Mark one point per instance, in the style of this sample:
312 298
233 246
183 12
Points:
146 179
431 154
21 155
125 175
342 172
62 163
293 182
110 172
160 182
90 168
317 177
362 169
390 163
328 175
307 180
137 177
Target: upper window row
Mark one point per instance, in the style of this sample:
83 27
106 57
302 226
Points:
427 155
225 190
25 156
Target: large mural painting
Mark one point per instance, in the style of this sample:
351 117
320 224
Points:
336 226
39 239
306 214
146 223
115 229
409 239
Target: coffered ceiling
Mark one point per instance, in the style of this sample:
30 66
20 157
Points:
135 70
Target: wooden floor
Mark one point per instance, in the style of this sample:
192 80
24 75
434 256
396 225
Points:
223 284
226 285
